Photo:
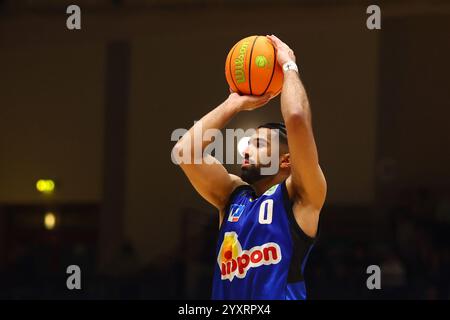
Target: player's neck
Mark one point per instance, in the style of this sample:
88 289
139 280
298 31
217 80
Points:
264 184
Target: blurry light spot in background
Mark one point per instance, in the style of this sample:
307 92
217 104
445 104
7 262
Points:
49 221
45 186
242 144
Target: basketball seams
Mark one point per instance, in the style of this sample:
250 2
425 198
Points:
250 66
273 69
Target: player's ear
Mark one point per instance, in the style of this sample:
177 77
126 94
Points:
285 161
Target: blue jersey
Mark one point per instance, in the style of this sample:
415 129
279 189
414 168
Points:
261 250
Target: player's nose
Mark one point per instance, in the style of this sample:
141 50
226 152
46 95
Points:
247 151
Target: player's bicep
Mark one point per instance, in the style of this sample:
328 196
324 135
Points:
211 180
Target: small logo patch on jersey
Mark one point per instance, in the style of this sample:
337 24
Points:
233 261
235 212
271 191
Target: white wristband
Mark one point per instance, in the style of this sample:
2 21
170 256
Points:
290 65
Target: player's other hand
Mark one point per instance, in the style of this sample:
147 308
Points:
284 53
248 102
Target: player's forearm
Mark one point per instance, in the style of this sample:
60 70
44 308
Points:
215 119
294 100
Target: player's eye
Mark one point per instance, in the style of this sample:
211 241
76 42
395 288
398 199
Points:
260 143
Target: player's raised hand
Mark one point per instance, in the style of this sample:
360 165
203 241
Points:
248 102
284 53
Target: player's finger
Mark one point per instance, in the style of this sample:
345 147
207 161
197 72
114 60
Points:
265 97
273 40
281 44
277 40
260 99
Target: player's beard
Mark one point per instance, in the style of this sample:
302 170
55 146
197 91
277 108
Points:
251 174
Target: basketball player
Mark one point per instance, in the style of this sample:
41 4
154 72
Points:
268 223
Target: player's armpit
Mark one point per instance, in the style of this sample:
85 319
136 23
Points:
306 212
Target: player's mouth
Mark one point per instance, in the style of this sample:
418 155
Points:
246 162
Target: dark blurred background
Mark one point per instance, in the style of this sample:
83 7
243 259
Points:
93 110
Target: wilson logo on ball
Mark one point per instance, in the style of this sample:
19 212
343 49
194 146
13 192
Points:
239 63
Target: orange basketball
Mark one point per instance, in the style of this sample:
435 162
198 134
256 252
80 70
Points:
252 68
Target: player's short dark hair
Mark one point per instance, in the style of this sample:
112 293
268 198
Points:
281 130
